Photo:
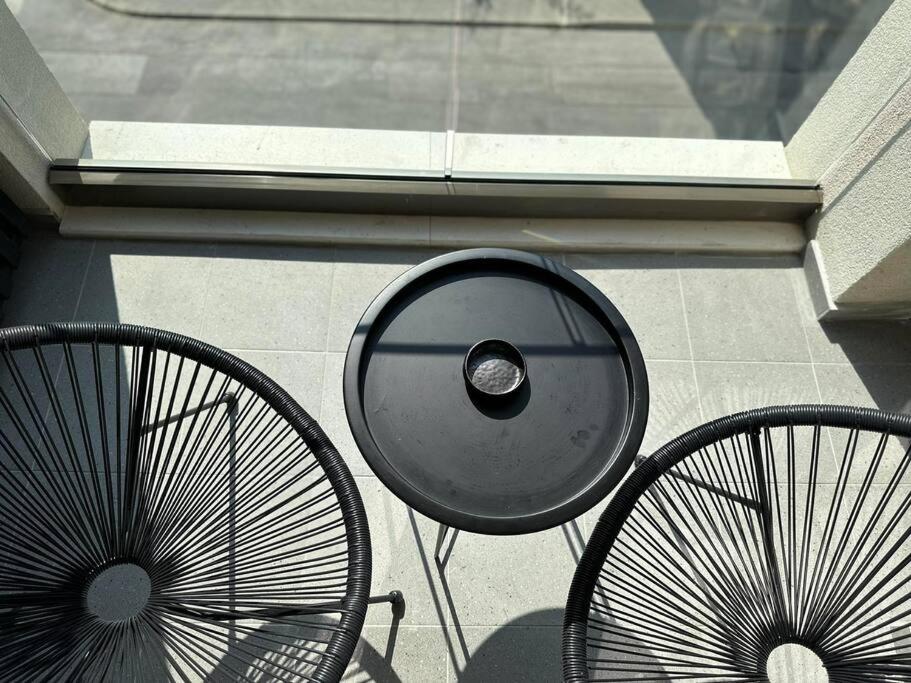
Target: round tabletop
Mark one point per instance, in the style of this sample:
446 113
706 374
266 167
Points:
496 391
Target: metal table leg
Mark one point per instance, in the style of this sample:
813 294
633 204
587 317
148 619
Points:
442 540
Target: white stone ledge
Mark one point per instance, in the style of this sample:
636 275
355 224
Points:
620 155
200 143
426 151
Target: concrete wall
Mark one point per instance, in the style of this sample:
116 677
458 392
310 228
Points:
857 142
37 123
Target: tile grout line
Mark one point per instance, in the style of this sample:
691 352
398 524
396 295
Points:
752 362
447 658
806 337
689 338
452 113
728 361
85 278
735 361
239 349
863 363
322 398
335 256
203 325
441 627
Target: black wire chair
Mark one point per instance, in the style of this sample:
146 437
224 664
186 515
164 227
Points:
779 532
168 512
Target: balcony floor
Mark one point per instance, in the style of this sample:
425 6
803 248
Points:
719 334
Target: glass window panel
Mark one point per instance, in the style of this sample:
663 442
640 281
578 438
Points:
726 69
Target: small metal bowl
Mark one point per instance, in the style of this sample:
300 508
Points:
494 369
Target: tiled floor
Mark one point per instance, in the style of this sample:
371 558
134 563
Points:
719 334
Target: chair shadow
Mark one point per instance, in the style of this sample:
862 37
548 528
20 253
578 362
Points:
255 656
526 649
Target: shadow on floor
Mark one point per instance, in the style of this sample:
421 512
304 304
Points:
256 656
523 650
880 356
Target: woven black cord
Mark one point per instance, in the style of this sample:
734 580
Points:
720 547
122 444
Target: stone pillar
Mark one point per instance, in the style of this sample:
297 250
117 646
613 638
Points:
38 123
857 143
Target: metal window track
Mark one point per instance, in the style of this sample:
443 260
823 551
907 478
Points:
432 192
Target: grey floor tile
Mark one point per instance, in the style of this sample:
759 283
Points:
493 580
646 290
658 87
333 419
505 115
852 341
48 281
510 652
298 373
147 283
673 410
860 341
726 388
26 409
398 655
359 276
577 50
374 78
589 520
673 403
332 109
867 453
887 387
403 546
881 509
106 107
742 308
381 77
544 11
273 298
96 72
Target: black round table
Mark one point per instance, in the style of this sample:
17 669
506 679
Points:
496 391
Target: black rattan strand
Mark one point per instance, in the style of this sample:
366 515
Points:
778 525
129 445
